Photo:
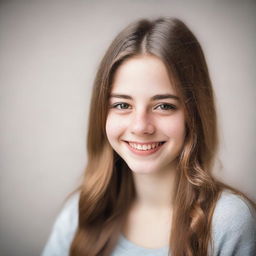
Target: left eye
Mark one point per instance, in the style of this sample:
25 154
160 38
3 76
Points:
165 106
121 105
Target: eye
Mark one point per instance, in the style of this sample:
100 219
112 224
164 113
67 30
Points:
121 105
166 106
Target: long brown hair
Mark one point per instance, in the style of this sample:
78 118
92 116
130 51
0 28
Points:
108 190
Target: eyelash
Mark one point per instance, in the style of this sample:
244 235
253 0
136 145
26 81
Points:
128 106
170 106
118 105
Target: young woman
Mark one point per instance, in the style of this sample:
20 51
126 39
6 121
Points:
148 188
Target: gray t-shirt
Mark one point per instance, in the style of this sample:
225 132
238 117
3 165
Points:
233 231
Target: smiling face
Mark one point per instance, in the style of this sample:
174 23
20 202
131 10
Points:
145 123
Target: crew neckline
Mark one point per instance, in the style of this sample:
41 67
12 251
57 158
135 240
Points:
125 243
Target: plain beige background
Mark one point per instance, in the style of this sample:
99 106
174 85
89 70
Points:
49 53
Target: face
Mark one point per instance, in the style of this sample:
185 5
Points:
145 123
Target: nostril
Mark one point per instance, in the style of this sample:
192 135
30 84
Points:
143 129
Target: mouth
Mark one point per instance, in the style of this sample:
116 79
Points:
144 148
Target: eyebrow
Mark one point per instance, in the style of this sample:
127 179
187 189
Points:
155 97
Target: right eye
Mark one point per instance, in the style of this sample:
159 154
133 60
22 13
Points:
121 105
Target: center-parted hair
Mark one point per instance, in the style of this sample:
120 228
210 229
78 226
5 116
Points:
108 190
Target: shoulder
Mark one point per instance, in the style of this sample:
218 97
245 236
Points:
234 225
69 212
64 229
233 209
67 219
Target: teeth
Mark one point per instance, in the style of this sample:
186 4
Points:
144 147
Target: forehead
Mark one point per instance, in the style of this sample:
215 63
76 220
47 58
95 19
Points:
145 74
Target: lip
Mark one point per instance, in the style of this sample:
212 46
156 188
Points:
144 152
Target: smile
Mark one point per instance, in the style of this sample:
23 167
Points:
144 148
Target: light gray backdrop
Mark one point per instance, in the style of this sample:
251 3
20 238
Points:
49 53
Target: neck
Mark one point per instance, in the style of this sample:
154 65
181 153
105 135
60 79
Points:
155 190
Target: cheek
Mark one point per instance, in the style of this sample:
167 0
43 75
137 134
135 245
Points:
109 127
179 127
175 128
114 127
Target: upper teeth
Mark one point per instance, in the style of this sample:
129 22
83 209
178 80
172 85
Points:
144 146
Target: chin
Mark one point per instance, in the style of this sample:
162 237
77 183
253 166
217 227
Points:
143 169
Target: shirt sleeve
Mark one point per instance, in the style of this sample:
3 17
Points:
234 227
63 230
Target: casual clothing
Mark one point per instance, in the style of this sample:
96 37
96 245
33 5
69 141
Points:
233 231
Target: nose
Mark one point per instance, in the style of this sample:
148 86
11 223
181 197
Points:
142 124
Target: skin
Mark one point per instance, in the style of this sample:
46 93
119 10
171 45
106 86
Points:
137 118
